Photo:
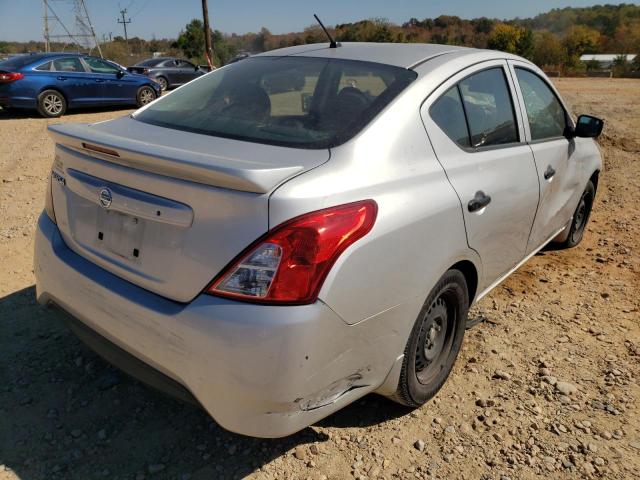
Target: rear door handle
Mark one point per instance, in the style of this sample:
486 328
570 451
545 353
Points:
62 78
549 173
479 201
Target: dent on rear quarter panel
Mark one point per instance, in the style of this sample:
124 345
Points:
419 230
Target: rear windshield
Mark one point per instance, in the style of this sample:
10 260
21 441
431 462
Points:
19 61
149 63
291 101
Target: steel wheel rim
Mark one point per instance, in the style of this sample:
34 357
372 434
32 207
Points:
436 338
52 104
581 217
146 96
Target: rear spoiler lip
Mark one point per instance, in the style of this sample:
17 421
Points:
187 165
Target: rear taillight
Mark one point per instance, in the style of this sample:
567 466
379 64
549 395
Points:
289 264
10 77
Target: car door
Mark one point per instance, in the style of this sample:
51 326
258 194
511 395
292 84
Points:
188 71
478 138
77 84
172 72
546 120
115 87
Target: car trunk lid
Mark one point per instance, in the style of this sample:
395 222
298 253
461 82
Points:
161 208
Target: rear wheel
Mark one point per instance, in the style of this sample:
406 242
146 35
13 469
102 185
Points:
580 217
51 104
435 341
164 84
145 95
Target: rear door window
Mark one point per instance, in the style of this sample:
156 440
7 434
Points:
489 108
547 118
69 64
448 114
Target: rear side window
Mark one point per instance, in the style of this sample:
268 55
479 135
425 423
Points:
45 66
292 101
489 108
68 65
547 118
152 62
448 114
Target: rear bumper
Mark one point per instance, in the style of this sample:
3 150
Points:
258 370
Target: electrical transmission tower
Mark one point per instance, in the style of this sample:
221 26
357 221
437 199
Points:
83 35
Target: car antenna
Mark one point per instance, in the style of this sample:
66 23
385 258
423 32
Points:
332 42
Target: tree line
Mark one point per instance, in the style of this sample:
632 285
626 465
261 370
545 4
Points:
553 40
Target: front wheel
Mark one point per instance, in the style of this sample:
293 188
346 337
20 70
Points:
145 95
580 217
51 104
435 341
164 83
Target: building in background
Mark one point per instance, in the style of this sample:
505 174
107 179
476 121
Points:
606 61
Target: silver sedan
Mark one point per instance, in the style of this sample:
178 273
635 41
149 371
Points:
291 232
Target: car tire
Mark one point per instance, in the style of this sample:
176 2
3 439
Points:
145 95
164 83
52 104
580 217
435 341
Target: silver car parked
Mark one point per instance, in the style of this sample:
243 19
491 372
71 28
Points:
291 232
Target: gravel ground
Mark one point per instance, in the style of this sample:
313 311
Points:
547 386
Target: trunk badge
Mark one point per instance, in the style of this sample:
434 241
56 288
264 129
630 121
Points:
105 197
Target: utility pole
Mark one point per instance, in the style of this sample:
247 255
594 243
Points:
208 47
124 24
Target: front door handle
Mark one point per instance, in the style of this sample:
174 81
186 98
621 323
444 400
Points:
479 201
549 173
99 80
62 78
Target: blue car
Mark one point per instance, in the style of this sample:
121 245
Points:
54 82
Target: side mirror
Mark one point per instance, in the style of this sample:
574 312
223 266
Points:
197 68
588 127
120 74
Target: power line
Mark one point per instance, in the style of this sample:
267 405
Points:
140 9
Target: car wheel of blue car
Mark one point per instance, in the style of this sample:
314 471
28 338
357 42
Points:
145 95
51 104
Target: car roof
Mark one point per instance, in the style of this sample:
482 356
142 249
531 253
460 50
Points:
404 55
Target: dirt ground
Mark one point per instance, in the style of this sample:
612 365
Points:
547 386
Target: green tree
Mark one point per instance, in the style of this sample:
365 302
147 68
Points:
579 40
621 65
259 43
511 39
223 50
547 49
191 40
